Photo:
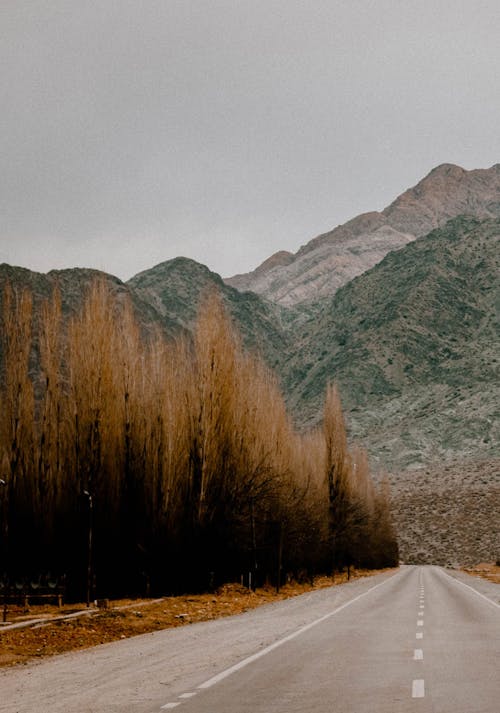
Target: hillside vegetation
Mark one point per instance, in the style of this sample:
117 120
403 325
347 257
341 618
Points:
414 346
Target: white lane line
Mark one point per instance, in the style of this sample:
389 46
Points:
418 655
419 635
417 688
422 606
420 622
241 664
168 706
457 581
188 695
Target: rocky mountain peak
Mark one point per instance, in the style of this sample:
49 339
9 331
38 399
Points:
334 258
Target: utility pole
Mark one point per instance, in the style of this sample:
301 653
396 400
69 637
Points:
280 557
3 484
89 547
254 545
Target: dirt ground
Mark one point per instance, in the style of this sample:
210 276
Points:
127 618
485 570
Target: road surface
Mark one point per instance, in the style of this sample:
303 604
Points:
418 640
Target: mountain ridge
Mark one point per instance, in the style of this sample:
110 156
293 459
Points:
414 345
333 258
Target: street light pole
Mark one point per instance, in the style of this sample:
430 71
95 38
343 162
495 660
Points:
3 483
89 547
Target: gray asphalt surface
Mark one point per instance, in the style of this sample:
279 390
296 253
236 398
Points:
351 648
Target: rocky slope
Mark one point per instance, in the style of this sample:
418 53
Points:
176 288
414 344
448 514
73 285
331 260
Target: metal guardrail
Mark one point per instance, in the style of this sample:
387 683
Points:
23 590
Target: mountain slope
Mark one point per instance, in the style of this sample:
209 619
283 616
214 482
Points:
414 345
73 285
176 288
330 260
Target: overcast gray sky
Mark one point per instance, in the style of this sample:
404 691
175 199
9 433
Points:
223 130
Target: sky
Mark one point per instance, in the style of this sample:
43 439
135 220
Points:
225 130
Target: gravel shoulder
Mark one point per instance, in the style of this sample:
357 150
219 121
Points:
477 581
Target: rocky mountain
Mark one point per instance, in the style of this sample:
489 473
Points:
73 285
414 344
175 289
331 260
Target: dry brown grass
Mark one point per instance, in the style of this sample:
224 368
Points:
485 570
139 617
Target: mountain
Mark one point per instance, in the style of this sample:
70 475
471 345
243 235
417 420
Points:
175 289
414 344
73 285
331 260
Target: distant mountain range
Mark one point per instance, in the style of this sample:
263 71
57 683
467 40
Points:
331 260
401 308
413 341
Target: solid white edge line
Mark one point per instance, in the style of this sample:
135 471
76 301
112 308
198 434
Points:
490 601
418 688
241 664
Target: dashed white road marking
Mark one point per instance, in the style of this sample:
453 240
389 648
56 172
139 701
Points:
419 635
168 706
420 622
250 659
188 695
422 606
418 655
418 688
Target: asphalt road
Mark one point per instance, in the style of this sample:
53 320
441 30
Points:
419 640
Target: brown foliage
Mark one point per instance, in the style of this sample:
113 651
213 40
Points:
184 450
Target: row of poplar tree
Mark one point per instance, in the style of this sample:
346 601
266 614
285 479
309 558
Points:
151 465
